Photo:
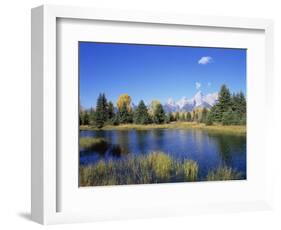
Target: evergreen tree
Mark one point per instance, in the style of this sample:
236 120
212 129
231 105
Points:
141 115
170 117
188 116
224 102
159 115
111 113
196 117
182 117
243 104
230 117
193 116
124 116
243 119
230 109
177 116
167 119
209 119
92 116
204 115
215 114
86 118
101 114
80 120
235 102
115 120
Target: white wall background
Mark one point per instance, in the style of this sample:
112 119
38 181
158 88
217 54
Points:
15 112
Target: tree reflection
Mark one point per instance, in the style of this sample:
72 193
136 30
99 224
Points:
228 145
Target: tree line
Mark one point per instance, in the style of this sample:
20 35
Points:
229 110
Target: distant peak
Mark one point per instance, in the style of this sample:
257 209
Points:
171 101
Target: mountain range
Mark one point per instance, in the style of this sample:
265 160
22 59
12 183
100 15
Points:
199 100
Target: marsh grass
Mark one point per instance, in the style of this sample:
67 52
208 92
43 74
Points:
190 170
156 167
93 144
223 173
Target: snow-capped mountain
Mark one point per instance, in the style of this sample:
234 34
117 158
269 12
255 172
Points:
171 106
211 98
187 105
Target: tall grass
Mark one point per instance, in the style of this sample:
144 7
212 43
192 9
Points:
156 167
94 144
223 173
190 170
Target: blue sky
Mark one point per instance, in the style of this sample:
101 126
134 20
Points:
156 72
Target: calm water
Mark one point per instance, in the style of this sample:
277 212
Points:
208 149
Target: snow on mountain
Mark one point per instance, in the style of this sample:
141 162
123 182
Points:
212 98
198 99
187 105
171 106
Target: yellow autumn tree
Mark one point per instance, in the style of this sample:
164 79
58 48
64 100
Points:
153 106
124 99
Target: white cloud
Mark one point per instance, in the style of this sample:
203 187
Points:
197 85
205 60
209 84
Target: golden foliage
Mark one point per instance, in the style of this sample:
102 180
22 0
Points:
124 99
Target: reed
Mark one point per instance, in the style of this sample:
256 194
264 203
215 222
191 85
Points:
156 167
223 173
93 144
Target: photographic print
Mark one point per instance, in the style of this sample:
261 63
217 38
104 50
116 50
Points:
161 114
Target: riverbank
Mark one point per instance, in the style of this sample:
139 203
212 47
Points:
231 129
155 167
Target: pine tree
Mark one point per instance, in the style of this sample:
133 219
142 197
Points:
92 116
170 117
111 113
204 115
209 119
182 117
188 116
215 114
230 117
230 109
193 116
196 117
101 114
124 115
80 120
224 102
159 115
177 116
141 115
86 118
241 105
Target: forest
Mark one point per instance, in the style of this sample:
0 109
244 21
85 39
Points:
230 109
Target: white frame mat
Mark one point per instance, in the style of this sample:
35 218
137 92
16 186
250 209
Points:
49 204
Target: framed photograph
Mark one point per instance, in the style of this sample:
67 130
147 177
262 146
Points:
141 114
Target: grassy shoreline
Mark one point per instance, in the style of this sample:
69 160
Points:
155 167
231 129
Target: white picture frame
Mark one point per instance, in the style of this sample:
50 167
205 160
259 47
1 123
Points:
46 181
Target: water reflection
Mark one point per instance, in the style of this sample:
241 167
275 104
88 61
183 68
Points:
209 149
